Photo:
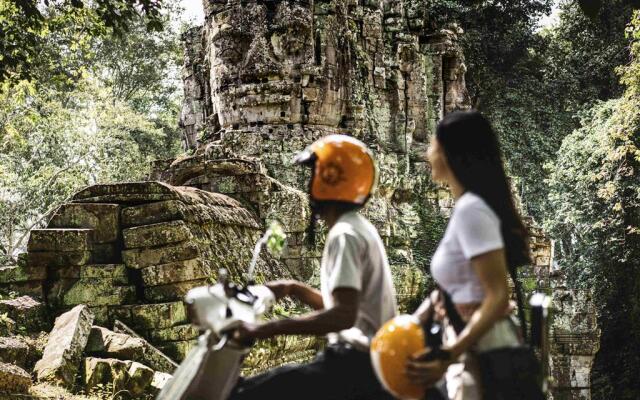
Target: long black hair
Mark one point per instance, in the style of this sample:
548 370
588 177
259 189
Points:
473 154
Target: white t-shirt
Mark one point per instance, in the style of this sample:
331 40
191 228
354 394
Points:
354 257
473 229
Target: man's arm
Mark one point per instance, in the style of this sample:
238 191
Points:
341 316
298 290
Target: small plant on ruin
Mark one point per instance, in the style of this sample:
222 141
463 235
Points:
277 238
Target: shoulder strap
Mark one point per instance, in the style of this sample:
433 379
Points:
521 316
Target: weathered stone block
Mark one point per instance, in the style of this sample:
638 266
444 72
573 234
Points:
115 273
14 379
140 378
63 352
221 210
122 346
93 292
151 316
159 380
63 240
179 271
141 258
129 192
174 334
172 291
27 312
156 234
102 218
177 350
101 371
290 207
20 273
32 288
106 253
14 351
152 213
129 376
153 357
58 259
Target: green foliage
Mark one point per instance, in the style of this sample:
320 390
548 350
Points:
595 198
99 113
531 83
51 146
34 34
630 74
594 191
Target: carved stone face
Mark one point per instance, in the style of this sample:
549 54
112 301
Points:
262 56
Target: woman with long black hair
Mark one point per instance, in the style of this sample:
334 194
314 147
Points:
484 239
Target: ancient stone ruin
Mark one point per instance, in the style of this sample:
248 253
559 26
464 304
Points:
262 80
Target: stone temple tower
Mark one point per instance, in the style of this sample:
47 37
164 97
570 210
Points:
263 79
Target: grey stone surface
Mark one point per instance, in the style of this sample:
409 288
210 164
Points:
123 346
27 312
129 376
14 379
63 352
13 350
102 219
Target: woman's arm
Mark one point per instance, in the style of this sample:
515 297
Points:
491 268
492 271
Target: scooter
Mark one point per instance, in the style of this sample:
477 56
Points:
212 367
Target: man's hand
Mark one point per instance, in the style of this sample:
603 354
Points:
280 288
426 372
246 333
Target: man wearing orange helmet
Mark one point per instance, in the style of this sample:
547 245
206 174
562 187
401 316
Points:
356 295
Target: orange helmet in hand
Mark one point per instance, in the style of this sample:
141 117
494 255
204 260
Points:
391 347
344 169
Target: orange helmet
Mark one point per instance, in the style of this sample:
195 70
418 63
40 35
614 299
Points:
398 339
344 169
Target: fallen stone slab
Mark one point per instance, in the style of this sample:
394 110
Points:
159 380
22 273
99 372
63 353
62 240
172 291
14 351
140 378
104 342
159 234
154 358
102 218
178 271
14 379
145 257
27 312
